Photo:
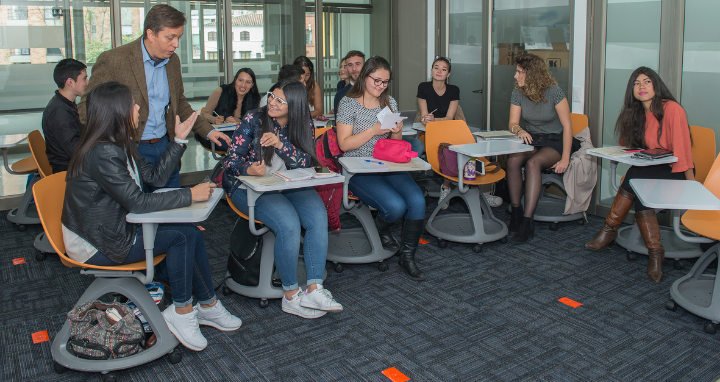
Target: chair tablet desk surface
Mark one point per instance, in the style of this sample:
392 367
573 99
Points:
360 245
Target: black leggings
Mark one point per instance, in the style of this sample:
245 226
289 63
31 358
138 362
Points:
660 171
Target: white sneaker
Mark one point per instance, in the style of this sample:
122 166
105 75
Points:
218 317
493 200
320 299
444 192
293 307
185 327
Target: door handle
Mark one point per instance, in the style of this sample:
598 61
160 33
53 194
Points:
477 91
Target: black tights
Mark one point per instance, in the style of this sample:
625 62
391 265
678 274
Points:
535 162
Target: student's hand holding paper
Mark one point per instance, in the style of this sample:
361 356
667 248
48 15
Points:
398 127
257 168
377 129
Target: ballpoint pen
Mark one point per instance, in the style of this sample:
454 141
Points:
433 111
373 161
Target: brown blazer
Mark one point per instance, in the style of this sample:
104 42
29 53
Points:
124 64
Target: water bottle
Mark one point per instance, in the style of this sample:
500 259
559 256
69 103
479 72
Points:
469 171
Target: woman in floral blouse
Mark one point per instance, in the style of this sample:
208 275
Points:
276 137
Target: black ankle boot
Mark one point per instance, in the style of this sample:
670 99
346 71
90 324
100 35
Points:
525 232
386 238
412 229
516 217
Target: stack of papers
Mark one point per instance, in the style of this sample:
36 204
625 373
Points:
500 134
612 151
388 119
299 174
221 125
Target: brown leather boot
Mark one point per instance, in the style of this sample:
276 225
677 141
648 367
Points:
620 207
650 231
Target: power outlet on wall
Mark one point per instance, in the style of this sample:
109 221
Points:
577 94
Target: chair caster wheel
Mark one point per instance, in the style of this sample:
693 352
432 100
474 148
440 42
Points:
553 226
631 256
581 222
504 240
338 268
670 305
40 256
110 377
425 192
382 267
710 328
678 264
264 303
59 369
175 356
226 291
442 243
21 227
477 248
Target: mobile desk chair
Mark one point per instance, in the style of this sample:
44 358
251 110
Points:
127 280
37 148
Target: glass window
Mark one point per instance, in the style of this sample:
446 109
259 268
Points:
212 36
18 12
244 36
629 44
700 73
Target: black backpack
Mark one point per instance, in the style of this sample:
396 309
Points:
245 253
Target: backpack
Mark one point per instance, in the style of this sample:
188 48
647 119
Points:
94 334
328 150
245 253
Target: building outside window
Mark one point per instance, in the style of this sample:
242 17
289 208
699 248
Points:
212 36
18 12
244 36
212 56
245 54
308 35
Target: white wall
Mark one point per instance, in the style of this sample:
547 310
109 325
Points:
578 69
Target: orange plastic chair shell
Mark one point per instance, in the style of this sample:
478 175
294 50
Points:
706 223
23 166
579 122
320 130
37 148
49 196
237 211
703 151
455 133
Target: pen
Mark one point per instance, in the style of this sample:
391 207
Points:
433 111
373 161
215 112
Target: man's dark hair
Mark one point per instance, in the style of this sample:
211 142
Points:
162 16
67 68
290 72
354 53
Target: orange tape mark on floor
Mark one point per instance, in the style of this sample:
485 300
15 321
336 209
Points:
395 375
423 241
38 337
570 302
18 261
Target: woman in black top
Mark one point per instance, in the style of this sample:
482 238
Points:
104 181
438 101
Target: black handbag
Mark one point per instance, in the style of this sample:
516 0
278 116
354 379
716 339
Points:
245 253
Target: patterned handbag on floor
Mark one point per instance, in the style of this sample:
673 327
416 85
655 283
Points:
95 333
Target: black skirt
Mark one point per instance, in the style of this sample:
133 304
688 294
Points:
554 141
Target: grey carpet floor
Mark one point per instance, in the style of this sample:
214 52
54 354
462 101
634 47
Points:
491 316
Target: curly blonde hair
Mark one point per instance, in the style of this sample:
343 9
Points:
537 77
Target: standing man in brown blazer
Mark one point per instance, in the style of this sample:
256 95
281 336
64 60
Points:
150 67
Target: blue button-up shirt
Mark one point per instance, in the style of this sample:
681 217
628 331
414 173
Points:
158 96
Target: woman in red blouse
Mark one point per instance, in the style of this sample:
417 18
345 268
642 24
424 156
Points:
651 118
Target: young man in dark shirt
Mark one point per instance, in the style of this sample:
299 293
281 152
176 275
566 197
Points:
61 121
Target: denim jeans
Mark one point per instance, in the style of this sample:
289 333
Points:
152 153
415 144
393 194
284 213
186 261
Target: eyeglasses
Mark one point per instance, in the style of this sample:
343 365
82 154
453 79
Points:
443 58
380 82
272 96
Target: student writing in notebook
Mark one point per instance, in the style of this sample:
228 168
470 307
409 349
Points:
280 136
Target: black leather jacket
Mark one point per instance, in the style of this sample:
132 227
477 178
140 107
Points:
97 201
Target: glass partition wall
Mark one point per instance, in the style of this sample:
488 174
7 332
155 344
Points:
221 36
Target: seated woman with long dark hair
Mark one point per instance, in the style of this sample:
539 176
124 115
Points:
314 93
229 103
539 101
276 137
650 118
104 181
394 194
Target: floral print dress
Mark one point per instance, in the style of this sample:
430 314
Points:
244 150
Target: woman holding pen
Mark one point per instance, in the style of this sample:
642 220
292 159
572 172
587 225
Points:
443 99
279 136
394 194
229 103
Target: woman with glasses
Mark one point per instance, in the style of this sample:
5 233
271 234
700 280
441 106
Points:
230 102
438 101
540 102
276 137
314 93
395 195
